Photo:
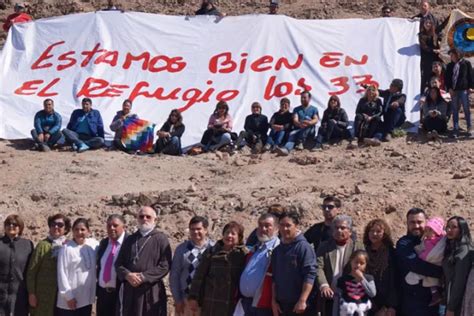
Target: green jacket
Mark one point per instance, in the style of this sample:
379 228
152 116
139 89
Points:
216 282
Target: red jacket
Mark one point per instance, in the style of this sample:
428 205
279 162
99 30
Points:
16 18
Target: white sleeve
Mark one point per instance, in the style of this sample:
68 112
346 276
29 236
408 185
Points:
64 287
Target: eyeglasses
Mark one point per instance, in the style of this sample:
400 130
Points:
327 206
57 224
145 216
11 224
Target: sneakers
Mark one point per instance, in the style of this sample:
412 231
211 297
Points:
387 138
317 147
74 147
433 136
372 142
299 146
282 151
44 148
267 147
82 148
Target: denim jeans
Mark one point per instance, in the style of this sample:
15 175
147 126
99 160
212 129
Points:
78 139
392 119
463 98
276 138
298 136
171 146
53 139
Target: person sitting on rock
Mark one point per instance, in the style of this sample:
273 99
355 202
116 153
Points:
47 131
85 129
20 16
169 135
219 128
255 129
280 126
305 118
434 119
208 8
393 107
368 122
334 123
117 122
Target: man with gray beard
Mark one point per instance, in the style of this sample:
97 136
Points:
144 260
256 280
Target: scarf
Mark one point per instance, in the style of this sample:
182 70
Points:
378 261
56 244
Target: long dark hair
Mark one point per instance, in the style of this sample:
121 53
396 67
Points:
439 97
387 234
179 117
222 104
452 246
336 98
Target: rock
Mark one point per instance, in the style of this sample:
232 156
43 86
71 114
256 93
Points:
390 209
36 197
191 188
4 162
304 161
357 189
464 175
460 196
396 154
219 155
239 162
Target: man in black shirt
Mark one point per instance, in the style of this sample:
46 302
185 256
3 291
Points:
208 8
320 232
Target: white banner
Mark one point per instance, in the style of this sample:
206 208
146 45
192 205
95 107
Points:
166 62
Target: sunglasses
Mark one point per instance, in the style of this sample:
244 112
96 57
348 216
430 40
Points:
57 224
11 224
327 206
145 216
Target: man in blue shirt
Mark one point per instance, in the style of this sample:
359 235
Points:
305 118
85 129
256 281
47 131
294 270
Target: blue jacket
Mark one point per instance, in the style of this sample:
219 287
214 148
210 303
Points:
47 123
93 118
292 265
415 299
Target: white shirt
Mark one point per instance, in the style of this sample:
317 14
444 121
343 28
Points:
77 273
113 276
339 268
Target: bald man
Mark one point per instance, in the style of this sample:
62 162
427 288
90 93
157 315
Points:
143 262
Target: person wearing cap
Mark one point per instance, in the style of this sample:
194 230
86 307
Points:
85 129
459 82
393 107
20 16
255 129
208 8
274 5
386 11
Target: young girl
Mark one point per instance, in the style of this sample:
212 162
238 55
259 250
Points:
355 288
77 272
431 250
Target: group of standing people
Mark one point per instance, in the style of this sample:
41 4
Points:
278 270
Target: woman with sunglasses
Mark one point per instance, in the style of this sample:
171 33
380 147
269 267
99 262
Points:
15 253
77 272
169 135
41 277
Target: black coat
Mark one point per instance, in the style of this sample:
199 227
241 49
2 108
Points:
396 97
14 258
178 131
339 115
100 252
465 78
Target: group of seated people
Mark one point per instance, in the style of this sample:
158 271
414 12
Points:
278 270
378 113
